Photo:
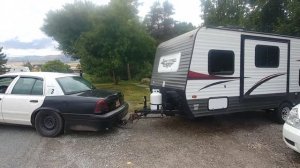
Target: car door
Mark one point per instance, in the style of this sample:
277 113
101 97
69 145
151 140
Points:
4 84
26 96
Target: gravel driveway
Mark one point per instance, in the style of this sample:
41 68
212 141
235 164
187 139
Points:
237 140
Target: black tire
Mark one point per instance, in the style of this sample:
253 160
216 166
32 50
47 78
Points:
48 123
282 112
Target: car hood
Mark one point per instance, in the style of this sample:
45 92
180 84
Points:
98 93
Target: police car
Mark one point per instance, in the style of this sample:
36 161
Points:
53 102
291 129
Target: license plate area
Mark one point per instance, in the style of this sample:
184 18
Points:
118 104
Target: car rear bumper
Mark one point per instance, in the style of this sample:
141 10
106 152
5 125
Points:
291 137
93 122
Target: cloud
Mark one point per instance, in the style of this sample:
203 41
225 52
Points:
21 21
12 52
35 44
37 47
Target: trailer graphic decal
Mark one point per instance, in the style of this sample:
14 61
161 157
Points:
262 81
200 76
169 63
215 83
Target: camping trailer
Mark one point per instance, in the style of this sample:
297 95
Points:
211 71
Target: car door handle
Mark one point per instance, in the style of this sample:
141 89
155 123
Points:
33 101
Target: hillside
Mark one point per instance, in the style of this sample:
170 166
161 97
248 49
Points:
40 59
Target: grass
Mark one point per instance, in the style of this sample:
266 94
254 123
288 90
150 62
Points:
133 92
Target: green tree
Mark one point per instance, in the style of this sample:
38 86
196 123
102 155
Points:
109 40
3 61
29 65
117 41
56 66
266 15
161 25
290 24
272 16
67 24
224 12
182 27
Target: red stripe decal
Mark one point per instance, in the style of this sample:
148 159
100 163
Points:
200 76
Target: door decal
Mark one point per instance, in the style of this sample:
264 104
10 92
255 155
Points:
263 81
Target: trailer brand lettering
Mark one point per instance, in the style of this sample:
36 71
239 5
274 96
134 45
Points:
169 63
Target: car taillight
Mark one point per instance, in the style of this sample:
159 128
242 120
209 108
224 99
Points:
101 106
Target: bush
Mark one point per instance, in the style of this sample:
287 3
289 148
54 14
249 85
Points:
145 81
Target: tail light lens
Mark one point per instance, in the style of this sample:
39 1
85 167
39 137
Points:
101 106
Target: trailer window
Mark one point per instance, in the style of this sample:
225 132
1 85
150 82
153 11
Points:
266 56
220 62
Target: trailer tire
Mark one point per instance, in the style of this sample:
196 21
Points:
281 113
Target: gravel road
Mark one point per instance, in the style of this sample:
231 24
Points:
236 140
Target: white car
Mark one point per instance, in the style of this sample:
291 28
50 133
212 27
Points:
53 102
291 129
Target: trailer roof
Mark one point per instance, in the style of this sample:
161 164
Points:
248 31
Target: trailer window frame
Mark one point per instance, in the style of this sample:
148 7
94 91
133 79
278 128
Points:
267 56
214 66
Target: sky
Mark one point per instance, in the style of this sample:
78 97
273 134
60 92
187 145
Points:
21 20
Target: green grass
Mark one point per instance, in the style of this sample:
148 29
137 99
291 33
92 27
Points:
133 92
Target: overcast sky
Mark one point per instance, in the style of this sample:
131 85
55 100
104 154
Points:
21 20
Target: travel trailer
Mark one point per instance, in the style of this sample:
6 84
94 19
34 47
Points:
212 71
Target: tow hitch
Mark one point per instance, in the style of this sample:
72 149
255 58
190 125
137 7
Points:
145 111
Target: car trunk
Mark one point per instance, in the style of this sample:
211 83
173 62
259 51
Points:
114 99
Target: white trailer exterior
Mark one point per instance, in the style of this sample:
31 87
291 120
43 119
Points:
212 71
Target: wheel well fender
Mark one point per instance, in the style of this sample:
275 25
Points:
285 101
33 115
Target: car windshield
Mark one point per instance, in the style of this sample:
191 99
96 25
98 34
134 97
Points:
74 84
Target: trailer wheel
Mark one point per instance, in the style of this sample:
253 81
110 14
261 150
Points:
282 112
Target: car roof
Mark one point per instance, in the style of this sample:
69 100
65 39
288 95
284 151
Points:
39 74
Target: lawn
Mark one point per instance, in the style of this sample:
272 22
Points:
133 92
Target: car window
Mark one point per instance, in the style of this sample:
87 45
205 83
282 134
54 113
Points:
28 86
37 88
74 84
5 82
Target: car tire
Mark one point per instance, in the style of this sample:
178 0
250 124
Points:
282 112
48 123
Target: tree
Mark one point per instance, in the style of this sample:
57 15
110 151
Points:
117 41
271 16
28 64
182 27
290 24
159 22
3 62
161 25
113 42
56 66
67 24
266 15
224 12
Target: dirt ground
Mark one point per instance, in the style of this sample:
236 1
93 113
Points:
237 140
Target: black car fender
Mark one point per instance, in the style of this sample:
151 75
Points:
35 112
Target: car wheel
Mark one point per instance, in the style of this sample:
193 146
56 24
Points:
48 123
282 112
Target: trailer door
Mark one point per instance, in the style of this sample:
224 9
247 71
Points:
264 67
